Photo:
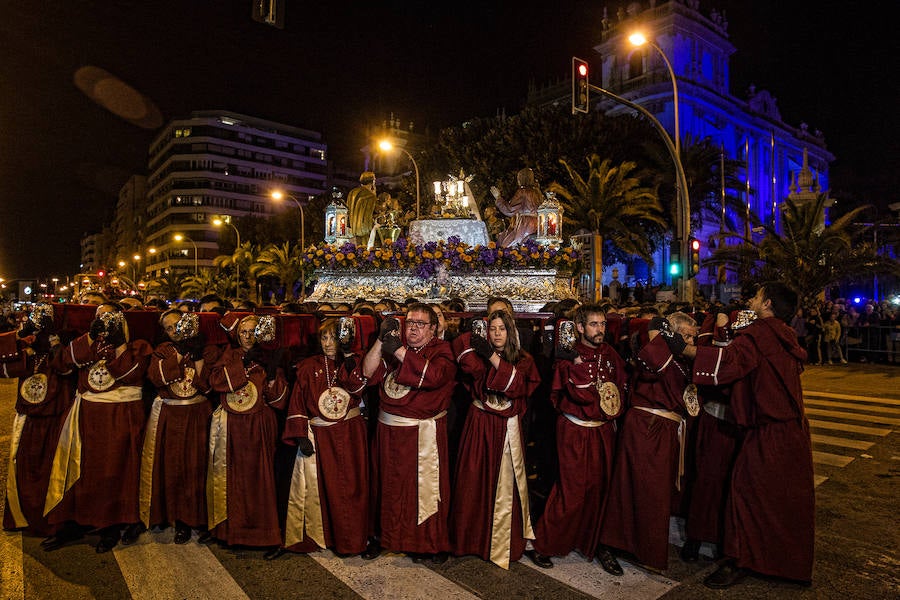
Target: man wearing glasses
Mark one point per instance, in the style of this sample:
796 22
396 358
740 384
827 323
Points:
410 468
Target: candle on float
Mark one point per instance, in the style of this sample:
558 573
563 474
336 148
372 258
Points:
437 188
459 188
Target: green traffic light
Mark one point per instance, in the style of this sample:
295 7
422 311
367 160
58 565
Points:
675 269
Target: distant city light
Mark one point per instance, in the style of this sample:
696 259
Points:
857 300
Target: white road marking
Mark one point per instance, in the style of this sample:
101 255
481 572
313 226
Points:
879 431
819 480
841 442
832 460
892 401
866 418
888 410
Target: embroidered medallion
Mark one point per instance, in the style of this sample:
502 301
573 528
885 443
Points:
610 402
184 388
691 401
393 389
743 319
334 403
34 389
243 399
99 377
497 402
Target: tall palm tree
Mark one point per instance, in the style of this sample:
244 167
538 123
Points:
613 204
207 281
281 262
239 261
168 285
809 255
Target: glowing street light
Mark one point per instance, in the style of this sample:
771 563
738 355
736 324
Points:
278 195
179 238
386 146
218 222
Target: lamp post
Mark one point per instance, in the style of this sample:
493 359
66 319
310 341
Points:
387 147
178 238
237 266
279 195
638 39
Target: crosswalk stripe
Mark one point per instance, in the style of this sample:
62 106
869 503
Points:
178 571
854 405
816 424
819 480
12 576
853 416
591 579
841 442
389 576
832 460
872 399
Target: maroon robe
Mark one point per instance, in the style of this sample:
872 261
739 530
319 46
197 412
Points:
252 437
574 512
341 455
182 438
647 459
481 451
37 443
770 511
112 435
429 373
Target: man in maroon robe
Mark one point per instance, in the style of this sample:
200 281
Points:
588 391
410 467
770 511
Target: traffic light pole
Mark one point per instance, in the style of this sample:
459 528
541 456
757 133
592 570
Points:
683 203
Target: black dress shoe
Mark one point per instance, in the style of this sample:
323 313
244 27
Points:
182 533
539 559
274 553
690 552
106 544
372 551
67 533
132 533
609 562
725 576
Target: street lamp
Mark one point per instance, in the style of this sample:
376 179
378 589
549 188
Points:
218 221
638 39
279 195
386 146
179 238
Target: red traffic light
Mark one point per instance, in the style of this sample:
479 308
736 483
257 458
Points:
101 273
582 70
695 245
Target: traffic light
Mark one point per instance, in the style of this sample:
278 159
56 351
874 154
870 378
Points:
580 72
675 260
101 273
695 257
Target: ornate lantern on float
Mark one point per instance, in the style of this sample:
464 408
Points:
337 223
549 229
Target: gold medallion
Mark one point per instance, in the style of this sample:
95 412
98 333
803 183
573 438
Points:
184 388
497 402
393 389
99 377
691 400
334 403
610 401
34 389
243 399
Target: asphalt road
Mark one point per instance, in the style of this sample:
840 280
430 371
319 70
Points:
854 412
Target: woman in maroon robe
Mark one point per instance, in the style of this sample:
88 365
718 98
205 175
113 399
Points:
325 426
490 515
241 497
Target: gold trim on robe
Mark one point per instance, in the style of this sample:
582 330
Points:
12 487
217 470
148 453
429 462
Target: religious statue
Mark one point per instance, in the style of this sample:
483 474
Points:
522 209
361 208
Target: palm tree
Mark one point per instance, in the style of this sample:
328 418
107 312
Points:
810 255
240 261
207 281
168 285
614 205
281 262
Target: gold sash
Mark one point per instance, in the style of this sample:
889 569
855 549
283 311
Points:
583 423
672 416
429 462
148 455
217 470
12 488
512 476
304 506
66 469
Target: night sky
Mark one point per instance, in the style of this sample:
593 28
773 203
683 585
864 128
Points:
338 66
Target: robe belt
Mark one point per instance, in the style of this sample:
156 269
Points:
429 462
66 469
583 423
717 410
672 416
320 422
304 510
217 469
512 476
148 455
12 488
